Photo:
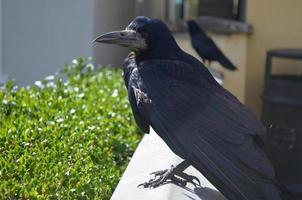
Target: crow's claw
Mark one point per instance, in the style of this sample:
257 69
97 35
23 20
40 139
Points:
144 185
170 175
178 181
197 180
158 173
161 172
189 178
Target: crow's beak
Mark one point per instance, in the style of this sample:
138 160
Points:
125 38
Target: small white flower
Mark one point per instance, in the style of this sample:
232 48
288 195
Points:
49 78
39 84
115 93
51 85
44 141
81 95
51 123
26 144
75 61
90 66
59 120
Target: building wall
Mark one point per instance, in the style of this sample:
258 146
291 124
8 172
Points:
234 47
111 15
40 36
277 24
1 76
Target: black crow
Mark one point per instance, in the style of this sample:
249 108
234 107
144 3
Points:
199 120
206 48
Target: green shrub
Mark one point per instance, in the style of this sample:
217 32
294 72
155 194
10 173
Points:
67 137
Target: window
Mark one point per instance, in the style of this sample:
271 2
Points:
226 9
177 10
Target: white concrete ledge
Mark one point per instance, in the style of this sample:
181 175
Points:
153 154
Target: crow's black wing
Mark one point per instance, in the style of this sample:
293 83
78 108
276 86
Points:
209 127
130 72
203 95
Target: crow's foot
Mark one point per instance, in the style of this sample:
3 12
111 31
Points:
172 175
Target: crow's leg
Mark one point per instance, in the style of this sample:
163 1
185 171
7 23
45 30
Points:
174 175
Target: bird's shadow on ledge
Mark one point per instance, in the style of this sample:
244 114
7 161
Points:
204 193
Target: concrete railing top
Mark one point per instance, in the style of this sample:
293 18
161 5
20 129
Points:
151 155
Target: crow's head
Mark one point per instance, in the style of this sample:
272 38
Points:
193 27
141 34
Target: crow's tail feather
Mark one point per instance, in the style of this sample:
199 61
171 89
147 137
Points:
225 62
263 190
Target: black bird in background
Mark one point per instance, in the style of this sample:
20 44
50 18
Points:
200 121
206 48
